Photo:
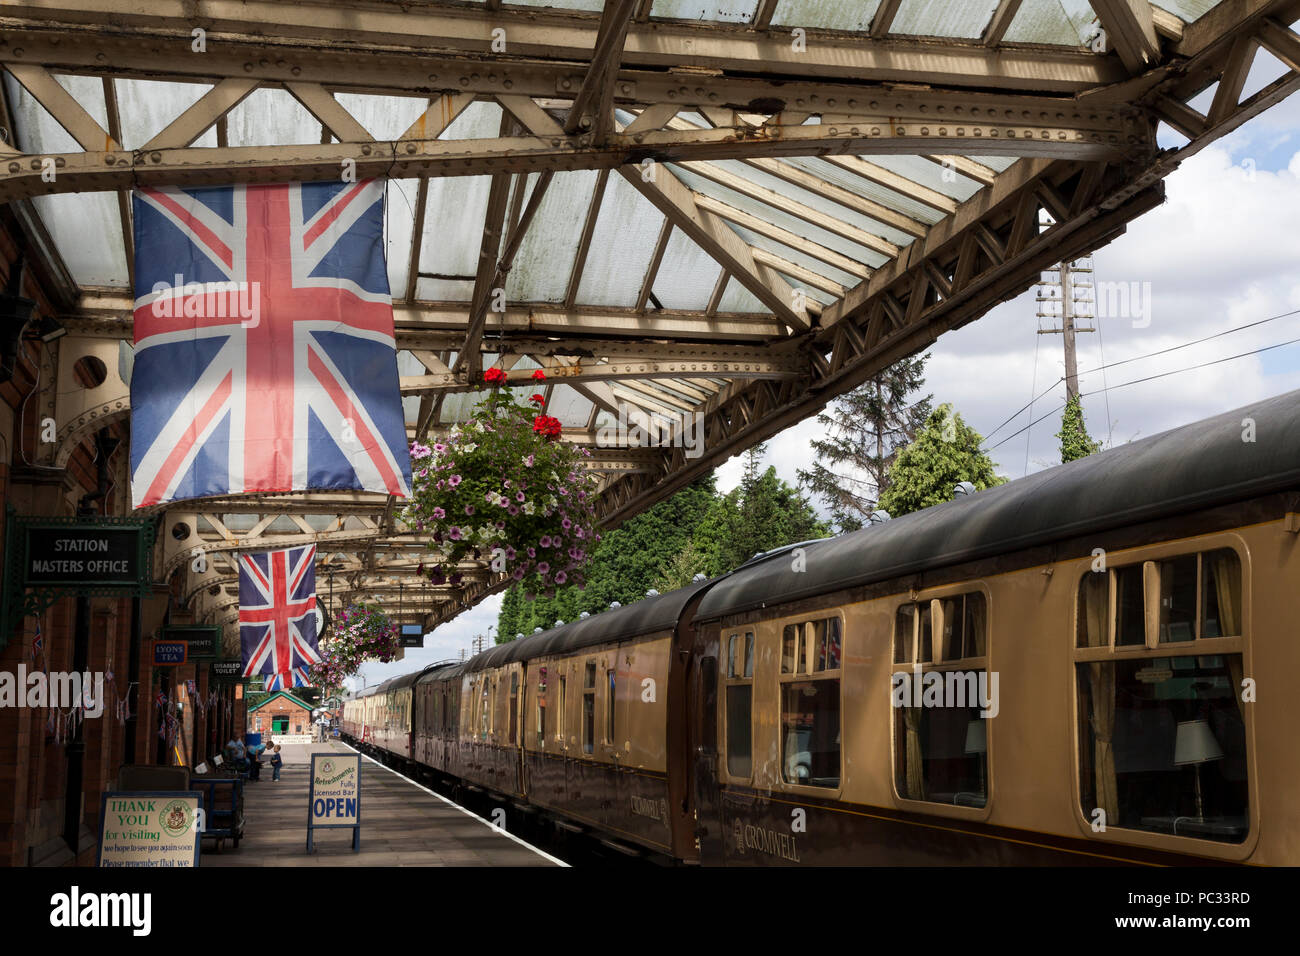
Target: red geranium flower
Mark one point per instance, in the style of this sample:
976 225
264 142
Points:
539 376
547 426
494 376
537 399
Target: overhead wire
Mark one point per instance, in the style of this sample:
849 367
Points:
1137 358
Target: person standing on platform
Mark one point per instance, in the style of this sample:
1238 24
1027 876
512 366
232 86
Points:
276 763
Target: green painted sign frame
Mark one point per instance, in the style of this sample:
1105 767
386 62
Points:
21 596
197 636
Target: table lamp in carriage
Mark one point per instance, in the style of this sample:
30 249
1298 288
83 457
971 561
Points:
1196 744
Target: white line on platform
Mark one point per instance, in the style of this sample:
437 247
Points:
469 813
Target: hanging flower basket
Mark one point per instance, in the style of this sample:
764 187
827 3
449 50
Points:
502 488
362 632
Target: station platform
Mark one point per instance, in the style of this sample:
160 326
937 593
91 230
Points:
402 824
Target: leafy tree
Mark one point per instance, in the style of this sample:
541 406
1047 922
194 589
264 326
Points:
762 513
1074 437
945 452
681 569
865 429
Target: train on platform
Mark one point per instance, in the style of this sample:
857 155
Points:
1084 666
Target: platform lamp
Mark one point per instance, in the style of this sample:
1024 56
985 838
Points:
1196 744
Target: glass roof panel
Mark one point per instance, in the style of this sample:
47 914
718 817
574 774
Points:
38 131
398 224
594 6
87 229
453 225
813 201
686 275
479 120
864 187
799 258
147 107
384 117
825 14
1189 10
408 364
931 175
1053 22
736 298
775 216
622 245
444 290
943 18
569 407
269 117
726 11
545 257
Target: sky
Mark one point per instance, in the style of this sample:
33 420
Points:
1221 252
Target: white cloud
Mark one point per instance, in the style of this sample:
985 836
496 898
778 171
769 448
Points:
1220 252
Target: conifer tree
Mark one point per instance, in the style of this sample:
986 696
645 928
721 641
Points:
865 429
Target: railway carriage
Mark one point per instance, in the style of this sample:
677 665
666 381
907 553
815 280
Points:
1082 666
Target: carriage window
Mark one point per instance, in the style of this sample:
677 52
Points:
589 709
940 728
739 703
561 718
1162 740
810 703
609 708
514 706
1189 597
1163 746
541 710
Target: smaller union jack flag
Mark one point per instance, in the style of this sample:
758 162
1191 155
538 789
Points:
298 677
277 611
38 642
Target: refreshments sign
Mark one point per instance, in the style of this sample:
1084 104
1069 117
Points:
334 799
153 829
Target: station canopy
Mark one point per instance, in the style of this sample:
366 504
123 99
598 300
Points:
702 214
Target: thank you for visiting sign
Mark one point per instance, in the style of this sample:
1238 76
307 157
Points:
158 829
335 795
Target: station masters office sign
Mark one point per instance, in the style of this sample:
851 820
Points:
46 558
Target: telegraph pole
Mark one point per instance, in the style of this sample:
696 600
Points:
1066 294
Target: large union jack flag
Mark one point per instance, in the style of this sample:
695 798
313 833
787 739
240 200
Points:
277 611
265 357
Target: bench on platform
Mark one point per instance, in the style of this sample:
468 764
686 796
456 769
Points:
223 805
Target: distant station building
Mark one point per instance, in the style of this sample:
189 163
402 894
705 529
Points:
281 715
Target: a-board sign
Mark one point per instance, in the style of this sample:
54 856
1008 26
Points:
412 635
334 799
204 641
169 653
150 829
